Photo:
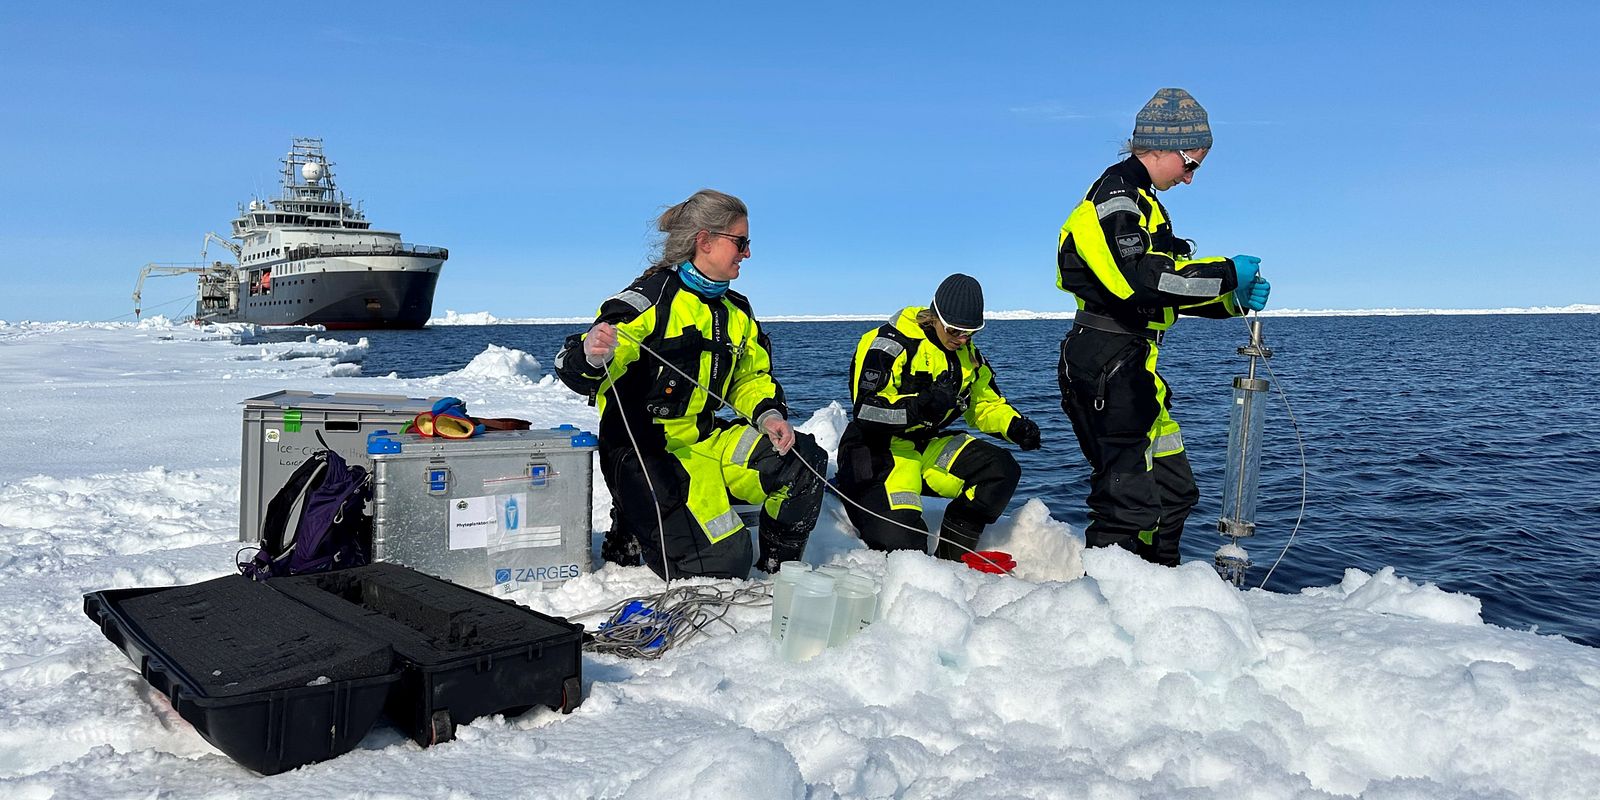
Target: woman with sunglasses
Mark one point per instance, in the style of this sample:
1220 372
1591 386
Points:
1133 277
912 378
647 362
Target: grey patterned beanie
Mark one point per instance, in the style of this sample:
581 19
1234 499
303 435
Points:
1172 120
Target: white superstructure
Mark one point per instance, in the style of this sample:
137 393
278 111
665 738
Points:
309 257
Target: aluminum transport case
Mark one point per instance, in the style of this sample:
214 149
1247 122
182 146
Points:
280 432
499 512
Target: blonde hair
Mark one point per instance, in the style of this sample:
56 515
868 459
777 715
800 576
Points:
705 210
1127 149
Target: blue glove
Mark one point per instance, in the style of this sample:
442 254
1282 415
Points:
1246 268
1255 298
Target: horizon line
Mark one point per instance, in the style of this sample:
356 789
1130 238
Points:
453 317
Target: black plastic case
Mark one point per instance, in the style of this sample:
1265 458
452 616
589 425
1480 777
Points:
466 654
295 670
268 730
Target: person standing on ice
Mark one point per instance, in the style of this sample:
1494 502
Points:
656 422
911 379
1133 277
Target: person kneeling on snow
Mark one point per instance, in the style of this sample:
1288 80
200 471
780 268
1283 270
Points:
666 455
912 378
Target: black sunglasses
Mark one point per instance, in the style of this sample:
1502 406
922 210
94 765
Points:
741 242
1189 164
959 333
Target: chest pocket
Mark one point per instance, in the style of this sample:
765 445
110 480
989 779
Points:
671 394
919 376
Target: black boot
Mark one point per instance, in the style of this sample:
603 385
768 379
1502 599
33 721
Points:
780 543
620 547
957 537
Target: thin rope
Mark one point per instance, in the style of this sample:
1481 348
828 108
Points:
655 501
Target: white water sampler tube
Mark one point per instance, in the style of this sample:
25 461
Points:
1246 426
1244 457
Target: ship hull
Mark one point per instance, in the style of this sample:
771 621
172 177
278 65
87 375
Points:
354 294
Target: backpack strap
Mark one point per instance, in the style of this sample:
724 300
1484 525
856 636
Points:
328 535
276 522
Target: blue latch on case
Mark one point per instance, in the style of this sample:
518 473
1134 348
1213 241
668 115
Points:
581 439
438 480
378 443
538 474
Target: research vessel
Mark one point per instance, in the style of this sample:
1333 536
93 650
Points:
308 257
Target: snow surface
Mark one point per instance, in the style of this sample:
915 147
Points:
1090 674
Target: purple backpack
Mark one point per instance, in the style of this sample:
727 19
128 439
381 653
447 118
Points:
333 529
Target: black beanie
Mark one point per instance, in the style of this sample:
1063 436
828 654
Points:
959 302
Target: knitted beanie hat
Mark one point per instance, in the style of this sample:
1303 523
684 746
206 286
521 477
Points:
1172 120
959 302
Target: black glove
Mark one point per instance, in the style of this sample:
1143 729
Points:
936 402
1024 433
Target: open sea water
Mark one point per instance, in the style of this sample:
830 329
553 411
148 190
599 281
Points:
1461 450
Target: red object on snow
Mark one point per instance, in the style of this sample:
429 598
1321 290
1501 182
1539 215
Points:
994 562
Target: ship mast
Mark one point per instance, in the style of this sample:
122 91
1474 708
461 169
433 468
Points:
308 174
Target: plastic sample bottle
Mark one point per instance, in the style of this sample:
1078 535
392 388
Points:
810 617
855 606
783 594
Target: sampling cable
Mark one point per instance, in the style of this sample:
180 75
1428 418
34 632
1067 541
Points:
650 625
655 501
1301 443
821 478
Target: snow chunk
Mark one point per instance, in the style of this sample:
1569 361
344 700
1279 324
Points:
501 363
1387 593
726 765
1183 619
332 349
1046 549
452 317
154 322
827 424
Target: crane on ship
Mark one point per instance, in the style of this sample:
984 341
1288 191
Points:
219 282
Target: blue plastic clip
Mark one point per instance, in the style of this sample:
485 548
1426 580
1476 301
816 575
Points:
585 439
635 612
378 442
565 426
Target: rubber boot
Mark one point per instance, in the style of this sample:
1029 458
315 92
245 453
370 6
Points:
780 543
957 537
620 547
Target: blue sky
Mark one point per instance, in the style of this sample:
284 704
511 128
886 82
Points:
1373 155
